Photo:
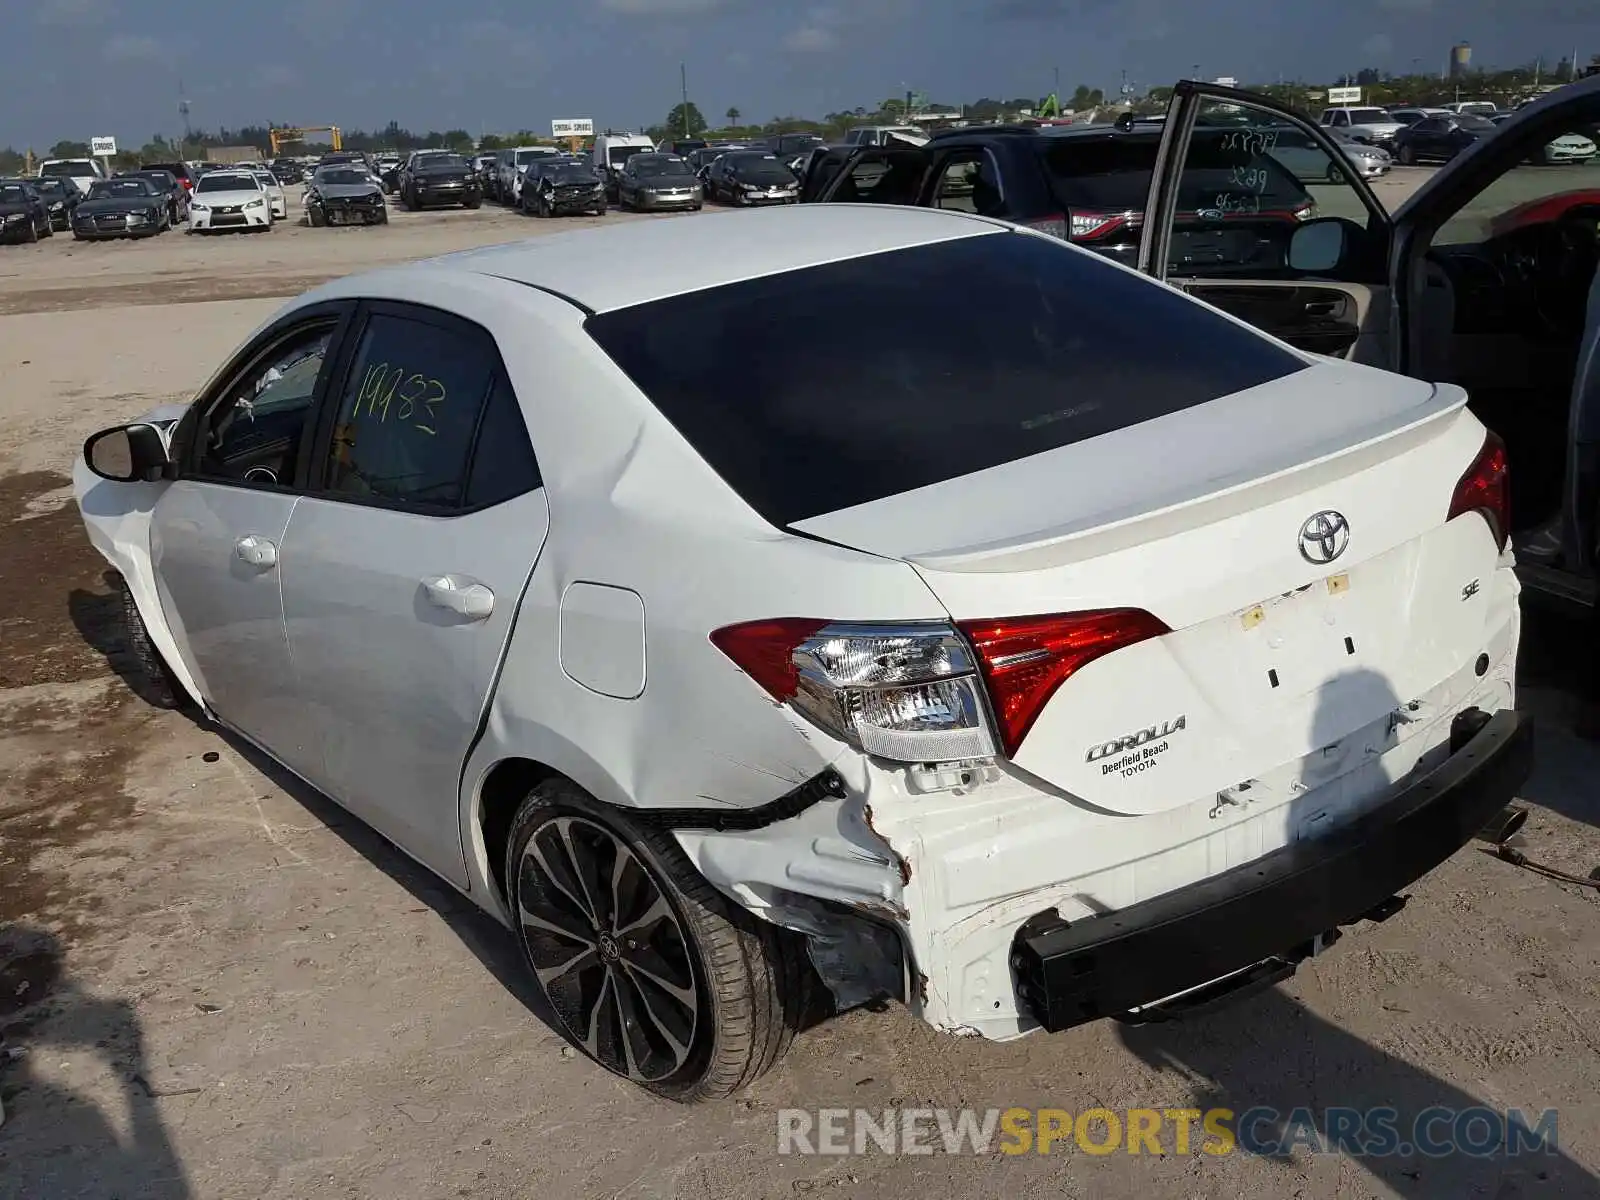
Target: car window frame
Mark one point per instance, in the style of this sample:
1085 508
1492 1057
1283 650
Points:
333 397
186 444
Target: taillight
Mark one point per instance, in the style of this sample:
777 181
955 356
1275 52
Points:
1025 659
905 692
1087 225
1486 489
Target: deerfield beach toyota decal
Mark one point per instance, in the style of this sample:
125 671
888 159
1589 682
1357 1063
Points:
1135 752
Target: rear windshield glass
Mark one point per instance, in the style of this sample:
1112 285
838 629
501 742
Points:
1370 116
1053 346
71 166
1113 173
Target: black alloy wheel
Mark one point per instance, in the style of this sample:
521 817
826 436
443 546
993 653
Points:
608 949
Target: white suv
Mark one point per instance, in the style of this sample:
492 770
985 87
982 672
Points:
1365 124
1026 676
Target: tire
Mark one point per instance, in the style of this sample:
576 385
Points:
316 217
33 232
147 672
1408 156
472 204
49 228
383 218
696 208
749 982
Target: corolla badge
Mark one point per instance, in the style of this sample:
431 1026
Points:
1324 537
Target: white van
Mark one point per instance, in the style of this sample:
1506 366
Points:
611 150
82 171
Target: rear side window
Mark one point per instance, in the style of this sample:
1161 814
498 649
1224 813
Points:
409 411
1053 346
1112 174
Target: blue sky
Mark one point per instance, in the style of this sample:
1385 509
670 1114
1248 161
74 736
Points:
78 68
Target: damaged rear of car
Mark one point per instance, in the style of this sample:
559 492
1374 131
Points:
1222 651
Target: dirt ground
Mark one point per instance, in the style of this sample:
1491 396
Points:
215 984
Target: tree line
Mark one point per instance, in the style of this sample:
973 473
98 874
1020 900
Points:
1503 86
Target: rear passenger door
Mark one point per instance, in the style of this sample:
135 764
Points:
1237 180
874 175
404 566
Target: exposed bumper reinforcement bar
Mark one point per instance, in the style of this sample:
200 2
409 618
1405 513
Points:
1235 933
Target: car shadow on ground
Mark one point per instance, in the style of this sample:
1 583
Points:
56 1141
1280 1067
1557 649
1310 1064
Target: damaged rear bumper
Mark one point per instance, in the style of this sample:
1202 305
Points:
1251 926
992 906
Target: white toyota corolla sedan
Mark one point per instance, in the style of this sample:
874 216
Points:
229 200
1102 656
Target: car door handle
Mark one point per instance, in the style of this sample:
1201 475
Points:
257 551
461 595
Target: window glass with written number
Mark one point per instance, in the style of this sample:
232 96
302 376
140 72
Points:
253 434
409 411
1249 179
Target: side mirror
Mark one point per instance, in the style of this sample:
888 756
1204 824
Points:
1320 246
127 453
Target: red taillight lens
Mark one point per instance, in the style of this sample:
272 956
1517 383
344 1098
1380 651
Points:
764 650
1486 489
1024 660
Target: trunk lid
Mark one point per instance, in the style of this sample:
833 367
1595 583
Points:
1197 518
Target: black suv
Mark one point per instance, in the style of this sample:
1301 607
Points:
1087 184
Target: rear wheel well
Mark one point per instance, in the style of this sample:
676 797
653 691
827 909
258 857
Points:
502 793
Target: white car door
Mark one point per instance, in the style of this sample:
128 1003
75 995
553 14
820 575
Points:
404 569
217 531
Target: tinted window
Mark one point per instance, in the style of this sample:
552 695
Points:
1053 348
252 434
409 411
1113 173
503 465
13 193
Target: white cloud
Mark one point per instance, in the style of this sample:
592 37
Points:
132 47
663 8
811 39
73 12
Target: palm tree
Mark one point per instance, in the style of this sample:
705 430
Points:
733 116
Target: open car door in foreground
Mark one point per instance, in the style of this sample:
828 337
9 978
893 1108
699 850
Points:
1485 277
888 174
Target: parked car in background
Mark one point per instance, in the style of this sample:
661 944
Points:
287 171
24 215
1439 139
611 151
277 199
1472 108
1410 115
344 195
554 187
657 182
700 161
439 178
1088 184
386 167
882 135
167 184
1576 148
61 196
949 703
82 171
790 146
130 206
1369 160
225 200
682 147
749 178
512 165
179 170
1365 123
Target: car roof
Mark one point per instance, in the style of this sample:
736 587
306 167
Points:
669 258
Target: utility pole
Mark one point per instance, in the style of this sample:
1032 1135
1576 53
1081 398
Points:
183 111
683 84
